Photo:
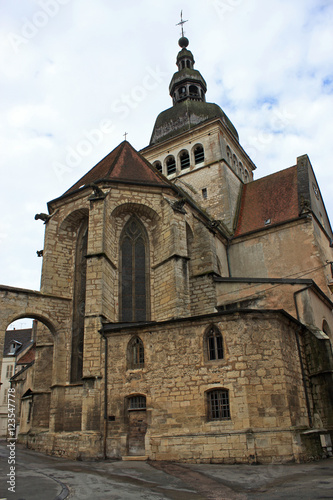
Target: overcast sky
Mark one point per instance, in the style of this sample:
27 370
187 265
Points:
78 74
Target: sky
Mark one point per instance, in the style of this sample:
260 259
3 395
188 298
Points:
76 75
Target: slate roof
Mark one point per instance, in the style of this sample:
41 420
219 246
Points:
273 198
123 164
23 336
184 116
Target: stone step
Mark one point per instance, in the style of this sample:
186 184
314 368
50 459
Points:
141 458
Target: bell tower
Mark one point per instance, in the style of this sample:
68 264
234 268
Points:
196 146
187 83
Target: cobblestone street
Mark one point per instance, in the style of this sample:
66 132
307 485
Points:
40 477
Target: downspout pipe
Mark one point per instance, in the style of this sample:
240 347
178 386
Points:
306 393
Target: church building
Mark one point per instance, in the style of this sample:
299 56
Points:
185 310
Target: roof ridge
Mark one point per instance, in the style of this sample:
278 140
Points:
120 148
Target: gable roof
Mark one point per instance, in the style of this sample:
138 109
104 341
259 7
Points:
123 164
270 200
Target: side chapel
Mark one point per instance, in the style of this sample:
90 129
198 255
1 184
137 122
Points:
185 310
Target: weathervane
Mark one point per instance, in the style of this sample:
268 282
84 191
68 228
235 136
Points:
182 22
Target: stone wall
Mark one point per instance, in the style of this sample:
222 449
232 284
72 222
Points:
260 369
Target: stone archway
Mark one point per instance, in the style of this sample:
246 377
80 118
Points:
16 303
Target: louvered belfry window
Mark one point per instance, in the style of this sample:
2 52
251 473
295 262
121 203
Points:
133 273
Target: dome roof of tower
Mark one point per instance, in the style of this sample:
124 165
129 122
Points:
185 116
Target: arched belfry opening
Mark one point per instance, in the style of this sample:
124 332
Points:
134 272
79 301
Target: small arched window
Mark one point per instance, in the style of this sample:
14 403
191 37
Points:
218 406
135 353
171 165
214 344
158 166
235 162
193 90
199 154
134 272
184 160
188 64
228 154
241 170
325 328
246 175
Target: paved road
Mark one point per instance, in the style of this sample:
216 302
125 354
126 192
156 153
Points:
39 477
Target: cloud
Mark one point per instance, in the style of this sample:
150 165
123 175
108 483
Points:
267 64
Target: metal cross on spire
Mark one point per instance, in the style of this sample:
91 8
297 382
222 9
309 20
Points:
182 22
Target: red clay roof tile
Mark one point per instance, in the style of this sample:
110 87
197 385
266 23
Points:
125 164
273 198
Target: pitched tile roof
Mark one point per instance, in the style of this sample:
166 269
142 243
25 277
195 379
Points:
27 357
267 201
123 164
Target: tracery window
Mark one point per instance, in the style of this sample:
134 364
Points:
199 154
214 342
218 405
135 353
134 272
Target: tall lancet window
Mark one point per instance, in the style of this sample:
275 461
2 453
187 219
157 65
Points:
79 302
134 272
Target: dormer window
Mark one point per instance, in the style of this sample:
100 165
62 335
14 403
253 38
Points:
14 347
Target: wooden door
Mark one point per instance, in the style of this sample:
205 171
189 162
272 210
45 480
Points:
136 432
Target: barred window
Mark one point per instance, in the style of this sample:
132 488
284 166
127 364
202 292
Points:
218 405
158 166
171 165
214 342
199 154
137 403
135 353
184 160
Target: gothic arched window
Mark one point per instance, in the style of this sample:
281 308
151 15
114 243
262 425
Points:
214 343
79 302
135 353
134 272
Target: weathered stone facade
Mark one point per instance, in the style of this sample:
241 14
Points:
187 314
